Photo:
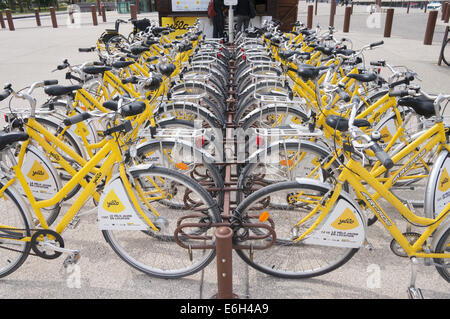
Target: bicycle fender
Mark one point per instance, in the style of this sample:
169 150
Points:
116 210
437 191
344 226
40 174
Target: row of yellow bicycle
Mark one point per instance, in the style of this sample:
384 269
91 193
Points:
320 139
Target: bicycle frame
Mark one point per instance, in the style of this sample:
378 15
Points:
436 134
110 154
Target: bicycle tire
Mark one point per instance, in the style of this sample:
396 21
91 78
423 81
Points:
446 53
161 256
13 263
285 259
442 246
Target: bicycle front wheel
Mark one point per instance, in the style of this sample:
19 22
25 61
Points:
157 253
287 203
446 53
14 226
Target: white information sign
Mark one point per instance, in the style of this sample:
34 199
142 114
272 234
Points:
230 2
189 5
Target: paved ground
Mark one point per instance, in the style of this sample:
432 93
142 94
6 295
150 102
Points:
30 53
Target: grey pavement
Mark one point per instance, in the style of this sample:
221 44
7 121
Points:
30 53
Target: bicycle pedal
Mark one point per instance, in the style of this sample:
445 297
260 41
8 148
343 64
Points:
72 259
414 293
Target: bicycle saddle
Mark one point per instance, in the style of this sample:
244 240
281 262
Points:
122 64
57 90
92 69
151 41
166 68
365 77
346 52
325 50
284 55
110 105
11 138
138 50
310 72
420 104
341 123
132 109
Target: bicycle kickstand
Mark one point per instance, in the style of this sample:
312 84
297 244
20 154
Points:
413 292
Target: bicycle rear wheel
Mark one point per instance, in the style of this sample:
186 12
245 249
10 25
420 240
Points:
157 253
287 203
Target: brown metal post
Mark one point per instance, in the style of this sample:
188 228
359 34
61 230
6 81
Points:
53 17
388 24
347 19
2 21
315 9
9 19
133 11
426 5
94 15
99 9
431 24
38 19
447 14
138 7
309 20
409 4
444 41
224 250
445 9
332 12
103 13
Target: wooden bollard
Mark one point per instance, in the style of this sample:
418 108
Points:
94 15
309 19
133 11
2 21
53 17
9 19
348 13
315 8
332 12
431 24
447 14
103 13
426 5
99 9
38 19
138 7
388 24
445 8
409 4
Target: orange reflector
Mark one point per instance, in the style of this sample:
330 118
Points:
286 163
182 166
263 217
